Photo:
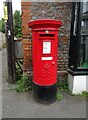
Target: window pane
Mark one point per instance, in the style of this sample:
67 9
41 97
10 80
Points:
84 52
83 60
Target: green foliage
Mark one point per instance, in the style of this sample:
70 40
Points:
24 84
4 45
59 96
19 72
2 25
17 24
18 75
85 94
63 85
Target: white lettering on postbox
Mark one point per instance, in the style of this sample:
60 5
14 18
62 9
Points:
47 58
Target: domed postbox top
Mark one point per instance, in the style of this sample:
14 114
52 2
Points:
44 23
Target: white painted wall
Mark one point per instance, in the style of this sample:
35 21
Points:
78 84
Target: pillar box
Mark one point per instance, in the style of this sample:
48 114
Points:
44 50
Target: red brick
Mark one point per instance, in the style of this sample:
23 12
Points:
25 3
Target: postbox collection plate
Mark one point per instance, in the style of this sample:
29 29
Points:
46 47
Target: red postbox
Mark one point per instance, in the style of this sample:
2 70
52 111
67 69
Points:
44 50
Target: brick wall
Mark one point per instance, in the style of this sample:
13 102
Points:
53 10
25 35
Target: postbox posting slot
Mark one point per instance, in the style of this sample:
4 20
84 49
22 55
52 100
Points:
46 35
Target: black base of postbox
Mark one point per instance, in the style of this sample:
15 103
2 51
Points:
45 94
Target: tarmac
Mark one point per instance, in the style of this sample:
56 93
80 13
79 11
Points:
22 105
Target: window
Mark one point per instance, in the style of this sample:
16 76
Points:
78 49
83 52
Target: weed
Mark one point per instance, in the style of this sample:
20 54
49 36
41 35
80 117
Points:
59 96
19 71
83 94
4 45
24 84
63 85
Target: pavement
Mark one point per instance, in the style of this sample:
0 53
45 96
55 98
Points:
2 39
0 84
22 105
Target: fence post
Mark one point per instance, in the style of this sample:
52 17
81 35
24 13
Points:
10 42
